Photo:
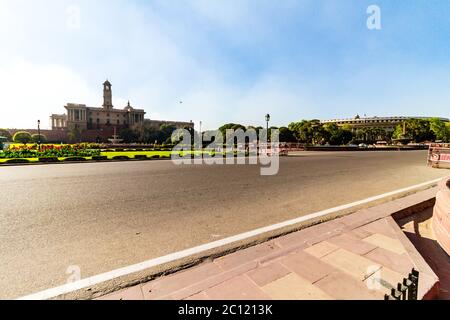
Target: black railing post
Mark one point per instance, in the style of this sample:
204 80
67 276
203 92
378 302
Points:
408 290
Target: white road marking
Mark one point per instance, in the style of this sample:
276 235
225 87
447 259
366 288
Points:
91 281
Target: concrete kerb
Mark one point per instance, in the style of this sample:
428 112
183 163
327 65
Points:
127 280
79 162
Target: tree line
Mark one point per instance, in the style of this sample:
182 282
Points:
305 131
315 132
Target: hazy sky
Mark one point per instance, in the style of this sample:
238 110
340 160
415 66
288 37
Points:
227 60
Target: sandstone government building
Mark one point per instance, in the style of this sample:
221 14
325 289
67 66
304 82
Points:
98 124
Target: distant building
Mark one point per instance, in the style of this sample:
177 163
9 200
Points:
98 124
387 123
80 116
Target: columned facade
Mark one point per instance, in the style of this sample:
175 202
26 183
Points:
99 123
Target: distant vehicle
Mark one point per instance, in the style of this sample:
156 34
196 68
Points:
363 145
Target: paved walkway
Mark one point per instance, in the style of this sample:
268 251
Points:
361 256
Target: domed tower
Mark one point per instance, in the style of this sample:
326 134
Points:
107 95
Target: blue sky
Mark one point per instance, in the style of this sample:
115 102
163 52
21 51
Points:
228 61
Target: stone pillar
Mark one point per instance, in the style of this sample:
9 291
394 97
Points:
441 215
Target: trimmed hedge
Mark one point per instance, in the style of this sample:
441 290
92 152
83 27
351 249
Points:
121 158
153 157
140 157
99 158
75 159
48 159
17 161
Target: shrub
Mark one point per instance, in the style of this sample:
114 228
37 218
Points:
99 158
75 159
165 157
48 159
36 138
17 161
155 156
5 133
2 140
62 151
121 158
22 137
140 157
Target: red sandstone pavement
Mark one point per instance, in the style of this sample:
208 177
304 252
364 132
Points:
418 229
359 257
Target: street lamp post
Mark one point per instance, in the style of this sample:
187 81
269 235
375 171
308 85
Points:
267 125
39 135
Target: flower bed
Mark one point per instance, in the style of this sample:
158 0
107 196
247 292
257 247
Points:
49 151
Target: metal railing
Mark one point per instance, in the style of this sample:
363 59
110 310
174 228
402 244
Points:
407 290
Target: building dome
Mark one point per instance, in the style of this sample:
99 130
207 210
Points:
129 107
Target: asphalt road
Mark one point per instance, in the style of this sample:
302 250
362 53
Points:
103 216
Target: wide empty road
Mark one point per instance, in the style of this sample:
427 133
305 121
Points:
103 216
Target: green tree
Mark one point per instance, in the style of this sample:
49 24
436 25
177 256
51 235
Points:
233 126
2 141
74 135
418 130
302 131
440 129
5 133
36 138
336 135
309 131
129 135
286 135
165 133
22 137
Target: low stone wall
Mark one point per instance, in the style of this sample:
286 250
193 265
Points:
441 215
346 148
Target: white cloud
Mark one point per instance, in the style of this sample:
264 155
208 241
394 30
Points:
31 92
